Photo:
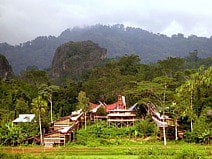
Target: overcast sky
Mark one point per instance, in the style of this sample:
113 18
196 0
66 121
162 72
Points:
22 20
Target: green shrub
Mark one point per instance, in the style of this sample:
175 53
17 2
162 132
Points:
201 130
9 156
146 128
100 134
189 137
197 137
188 153
101 111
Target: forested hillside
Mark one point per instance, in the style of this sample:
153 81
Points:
169 83
117 39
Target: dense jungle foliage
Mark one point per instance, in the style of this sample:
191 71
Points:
185 82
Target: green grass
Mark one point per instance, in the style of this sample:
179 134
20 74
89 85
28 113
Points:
125 150
104 157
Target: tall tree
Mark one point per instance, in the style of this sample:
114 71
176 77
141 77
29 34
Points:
34 76
129 64
192 95
185 93
164 106
65 99
171 65
47 92
159 91
39 108
193 56
83 103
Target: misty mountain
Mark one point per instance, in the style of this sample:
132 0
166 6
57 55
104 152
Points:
117 39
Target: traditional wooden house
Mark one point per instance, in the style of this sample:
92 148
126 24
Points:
121 117
62 130
94 115
164 121
117 113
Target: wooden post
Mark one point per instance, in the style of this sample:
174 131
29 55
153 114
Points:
41 134
191 106
64 140
164 129
51 109
85 120
175 124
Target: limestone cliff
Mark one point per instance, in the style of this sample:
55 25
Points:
5 68
72 59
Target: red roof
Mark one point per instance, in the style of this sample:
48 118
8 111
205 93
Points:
93 105
116 105
111 106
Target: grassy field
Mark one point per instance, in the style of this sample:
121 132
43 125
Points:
132 150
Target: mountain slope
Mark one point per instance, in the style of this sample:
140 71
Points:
117 39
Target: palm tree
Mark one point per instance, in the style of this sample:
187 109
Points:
83 103
164 102
187 91
47 92
175 113
39 108
185 94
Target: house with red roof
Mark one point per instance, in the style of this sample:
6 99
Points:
117 113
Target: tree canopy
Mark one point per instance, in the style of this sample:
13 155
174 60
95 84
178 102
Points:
187 91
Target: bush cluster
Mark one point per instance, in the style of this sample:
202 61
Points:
100 134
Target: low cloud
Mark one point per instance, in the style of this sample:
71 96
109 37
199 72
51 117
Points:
23 20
